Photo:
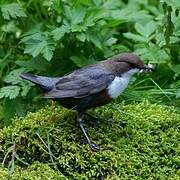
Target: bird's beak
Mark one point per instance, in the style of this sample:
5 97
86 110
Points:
148 68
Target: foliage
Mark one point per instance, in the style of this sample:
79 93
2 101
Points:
52 37
141 142
12 10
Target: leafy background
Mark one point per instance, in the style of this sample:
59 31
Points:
53 37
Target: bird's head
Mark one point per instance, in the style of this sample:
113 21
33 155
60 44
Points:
128 63
135 62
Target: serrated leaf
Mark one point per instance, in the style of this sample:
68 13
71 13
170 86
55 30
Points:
59 32
140 29
139 16
154 54
25 89
94 38
10 92
78 15
135 37
114 4
145 30
12 10
48 51
68 12
13 76
39 43
14 79
34 47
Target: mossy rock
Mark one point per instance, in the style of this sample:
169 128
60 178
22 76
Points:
141 142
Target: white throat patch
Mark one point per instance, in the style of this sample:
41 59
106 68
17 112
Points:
119 84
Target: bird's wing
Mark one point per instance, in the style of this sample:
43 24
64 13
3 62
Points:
81 83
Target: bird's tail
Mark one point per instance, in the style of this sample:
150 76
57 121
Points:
46 83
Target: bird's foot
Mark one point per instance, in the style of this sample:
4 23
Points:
94 147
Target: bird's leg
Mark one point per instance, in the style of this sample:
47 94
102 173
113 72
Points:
97 120
93 146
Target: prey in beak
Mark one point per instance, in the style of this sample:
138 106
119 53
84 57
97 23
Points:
147 68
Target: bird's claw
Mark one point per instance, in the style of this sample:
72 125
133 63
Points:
94 147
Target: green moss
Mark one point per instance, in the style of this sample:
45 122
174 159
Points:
142 142
36 171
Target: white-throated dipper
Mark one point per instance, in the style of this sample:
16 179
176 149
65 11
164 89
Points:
91 86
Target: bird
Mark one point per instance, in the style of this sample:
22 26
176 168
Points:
91 86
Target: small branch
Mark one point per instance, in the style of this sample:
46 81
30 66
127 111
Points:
11 163
49 150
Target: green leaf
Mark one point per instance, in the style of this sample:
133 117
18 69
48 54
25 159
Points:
115 22
176 69
39 43
35 47
139 16
94 38
140 29
153 53
13 77
59 32
48 51
145 30
25 89
78 15
130 15
12 10
81 61
174 3
110 41
114 4
81 37
135 37
10 27
10 92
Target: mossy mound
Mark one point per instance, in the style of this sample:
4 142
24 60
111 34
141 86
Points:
141 142
36 171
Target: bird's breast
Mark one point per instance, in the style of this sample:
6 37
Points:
117 86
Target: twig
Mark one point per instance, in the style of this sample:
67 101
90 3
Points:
160 89
45 145
51 154
11 163
49 149
5 157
